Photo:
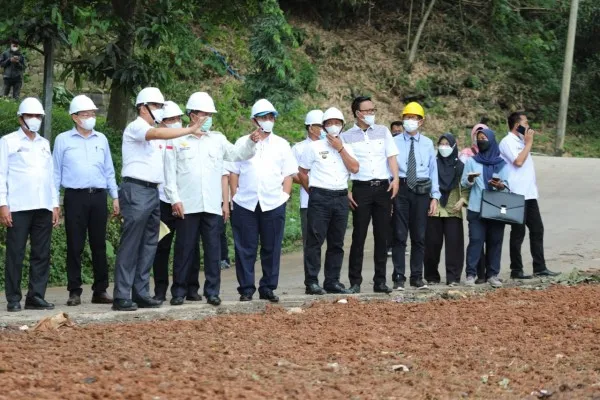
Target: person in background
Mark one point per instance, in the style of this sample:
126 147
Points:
193 179
484 171
330 163
372 191
445 227
396 128
417 198
515 148
142 172
226 206
13 63
171 119
28 206
83 166
465 154
260 188
314 131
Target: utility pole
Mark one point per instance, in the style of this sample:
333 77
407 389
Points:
566 82
48 84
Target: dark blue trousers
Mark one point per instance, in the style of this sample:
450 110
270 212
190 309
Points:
189 231
248 227
484 231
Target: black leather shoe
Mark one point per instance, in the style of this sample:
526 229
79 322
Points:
398 285
214 300
337 288
354 289
124 305
519 275
269 295
546 272
101 298
419 284
74 300
148 302
382 288
193 297
159 298
37 303
315 289
480 281
177 301
245 297
14 306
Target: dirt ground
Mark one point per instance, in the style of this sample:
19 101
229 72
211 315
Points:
506 344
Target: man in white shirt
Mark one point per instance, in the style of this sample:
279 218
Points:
515 148
372 191
28 206
314 129
260 188
193 174
330 163
142 172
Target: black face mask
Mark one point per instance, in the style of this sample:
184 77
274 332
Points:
483 145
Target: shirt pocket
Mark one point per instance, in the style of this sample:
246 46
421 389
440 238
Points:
215 159
98 155
185 160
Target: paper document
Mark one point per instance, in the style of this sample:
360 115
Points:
164 231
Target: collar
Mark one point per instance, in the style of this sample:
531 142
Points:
75 132
517 137
22 135
361 129
144 121
407 137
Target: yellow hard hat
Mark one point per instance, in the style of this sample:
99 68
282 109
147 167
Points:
414 108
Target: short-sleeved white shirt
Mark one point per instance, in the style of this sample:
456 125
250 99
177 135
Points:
298 150
261 177
327 169
142 159
372 149
521 180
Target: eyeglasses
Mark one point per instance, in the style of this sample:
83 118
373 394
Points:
87 114
370 111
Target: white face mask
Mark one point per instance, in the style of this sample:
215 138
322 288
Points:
410 125
369 120
334 130
14 48
88 124
174 125
267 126
33 124
158 115
445 151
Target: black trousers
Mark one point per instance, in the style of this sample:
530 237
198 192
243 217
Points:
373 202
448 231
35 225
533 221
224 244
327 220
189 231
15 84
86 214
410 216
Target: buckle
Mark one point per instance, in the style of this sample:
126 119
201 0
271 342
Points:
375 183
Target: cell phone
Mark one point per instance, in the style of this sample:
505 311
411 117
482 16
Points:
521 129
474 174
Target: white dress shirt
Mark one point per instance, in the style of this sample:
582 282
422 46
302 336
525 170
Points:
83 162
298 150
327 169
372 148
521 179
194 167
142 159
162 145
261 177
26 173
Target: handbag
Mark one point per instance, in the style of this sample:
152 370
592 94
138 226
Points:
503 206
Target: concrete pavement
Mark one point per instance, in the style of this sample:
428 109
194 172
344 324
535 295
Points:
570 207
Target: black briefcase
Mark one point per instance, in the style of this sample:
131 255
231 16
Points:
503 206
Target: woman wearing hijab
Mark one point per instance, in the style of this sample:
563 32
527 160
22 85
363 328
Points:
447 223
484 171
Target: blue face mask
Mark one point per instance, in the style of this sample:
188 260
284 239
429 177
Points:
206 125
323 135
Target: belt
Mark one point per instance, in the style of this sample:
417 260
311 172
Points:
140 182
402 180
86 190
328 192
372 182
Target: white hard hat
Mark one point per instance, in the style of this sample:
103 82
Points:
201 101
149 95
333 113
263 107
171 110
31 105
81 103
314 117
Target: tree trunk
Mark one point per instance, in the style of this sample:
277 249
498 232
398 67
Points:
48 83
415 44
119 105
